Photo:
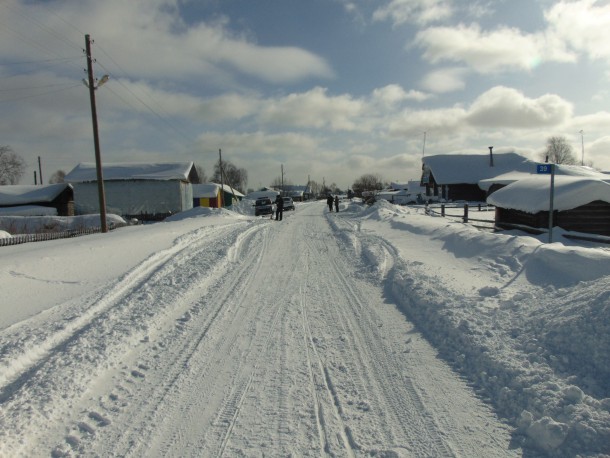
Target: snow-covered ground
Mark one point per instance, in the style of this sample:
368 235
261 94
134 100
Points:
375 331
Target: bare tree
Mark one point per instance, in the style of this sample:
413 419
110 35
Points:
314 187
277 183
559 151
368 182
201 175
57 177
233 176
12 166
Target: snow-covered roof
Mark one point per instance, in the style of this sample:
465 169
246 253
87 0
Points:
262 193
560 169
86 171
231 190
472 168
211 190
532 195
27 194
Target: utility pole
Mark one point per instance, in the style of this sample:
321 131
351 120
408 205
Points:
423 149
96 138
282 172
222 187
582 145
40 169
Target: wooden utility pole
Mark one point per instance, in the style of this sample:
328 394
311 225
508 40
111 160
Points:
40 169
96 138
222 187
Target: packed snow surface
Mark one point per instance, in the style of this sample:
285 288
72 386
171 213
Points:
375 331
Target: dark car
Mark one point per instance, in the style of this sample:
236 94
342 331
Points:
288 203
263 206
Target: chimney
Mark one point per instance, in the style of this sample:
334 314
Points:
491 156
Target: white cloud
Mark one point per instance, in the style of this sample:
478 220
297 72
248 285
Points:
420 12
393 94
496 113
597 153
584 24
314 109
149 39
503 107
486 52
413 123
445 80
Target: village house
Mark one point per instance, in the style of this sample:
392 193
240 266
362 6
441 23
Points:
42 200
146 191
580 204
454 177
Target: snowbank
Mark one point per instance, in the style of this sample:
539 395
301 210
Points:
539 351
40 224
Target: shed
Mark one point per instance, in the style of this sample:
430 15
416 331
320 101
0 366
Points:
29 200
208 195
147 191
580 204
457 176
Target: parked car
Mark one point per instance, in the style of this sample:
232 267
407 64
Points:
263 206
288 203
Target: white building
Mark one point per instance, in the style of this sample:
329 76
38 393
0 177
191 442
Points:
144 191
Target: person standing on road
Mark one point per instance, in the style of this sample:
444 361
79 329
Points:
329 202
337 204
279 208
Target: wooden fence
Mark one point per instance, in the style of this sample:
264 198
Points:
465 216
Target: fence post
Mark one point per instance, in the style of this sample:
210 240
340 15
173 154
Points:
465 213
443 210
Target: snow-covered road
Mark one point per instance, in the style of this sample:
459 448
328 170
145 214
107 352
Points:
244 339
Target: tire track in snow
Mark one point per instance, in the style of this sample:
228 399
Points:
20 365
156 408
84 347
398 401
319 377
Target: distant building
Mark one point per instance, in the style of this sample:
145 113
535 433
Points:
209 195
30 200
298 193
135 190
263 192
457 176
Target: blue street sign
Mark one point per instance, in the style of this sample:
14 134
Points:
544 168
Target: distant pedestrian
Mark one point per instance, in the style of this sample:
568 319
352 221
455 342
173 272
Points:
337 204
329 202
279 208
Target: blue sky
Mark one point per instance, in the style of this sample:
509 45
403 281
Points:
330 89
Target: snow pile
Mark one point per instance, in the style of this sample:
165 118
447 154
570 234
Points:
535 343
41 224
